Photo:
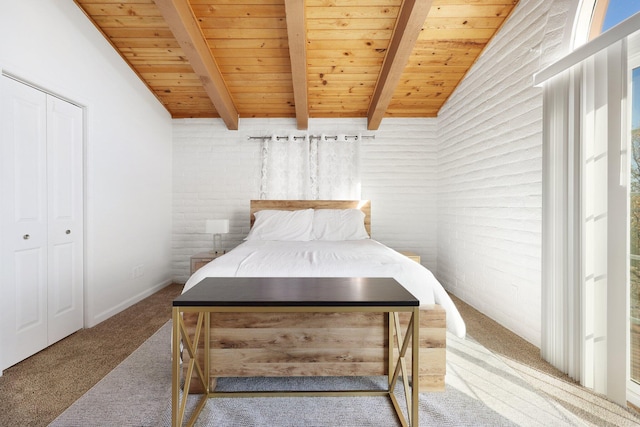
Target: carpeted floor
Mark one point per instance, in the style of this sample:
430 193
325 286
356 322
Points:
37 390
481 391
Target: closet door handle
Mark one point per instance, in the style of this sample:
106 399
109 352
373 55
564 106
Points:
26 237
67 232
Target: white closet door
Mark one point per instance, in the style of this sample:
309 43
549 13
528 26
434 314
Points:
64 189
24 221
41 223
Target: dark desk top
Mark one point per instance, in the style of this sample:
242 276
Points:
296 292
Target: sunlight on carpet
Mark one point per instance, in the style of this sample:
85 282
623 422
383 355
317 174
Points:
480 390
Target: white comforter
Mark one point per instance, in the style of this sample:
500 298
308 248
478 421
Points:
351 258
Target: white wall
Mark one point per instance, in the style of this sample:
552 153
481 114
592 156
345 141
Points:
217 172
489 171
128 147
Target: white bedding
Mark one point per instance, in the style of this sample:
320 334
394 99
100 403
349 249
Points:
350 258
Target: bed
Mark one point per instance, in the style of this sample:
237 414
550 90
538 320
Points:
315 238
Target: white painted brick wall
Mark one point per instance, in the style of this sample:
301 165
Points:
489 172
217 171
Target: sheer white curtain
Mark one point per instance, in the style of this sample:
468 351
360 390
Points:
337 168
285 169
584 239
325 168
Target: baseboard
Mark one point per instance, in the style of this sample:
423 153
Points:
90 323
633 397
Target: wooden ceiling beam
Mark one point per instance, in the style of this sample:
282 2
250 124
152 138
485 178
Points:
185 28
297 34
410 21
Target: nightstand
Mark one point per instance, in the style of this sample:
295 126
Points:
411 255
200 259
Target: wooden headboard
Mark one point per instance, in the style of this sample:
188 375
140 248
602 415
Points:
293 205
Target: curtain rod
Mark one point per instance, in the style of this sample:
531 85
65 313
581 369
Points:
302 137
614 35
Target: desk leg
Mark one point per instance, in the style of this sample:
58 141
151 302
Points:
415 367
175 368
180 336
390 359
207 353
400 369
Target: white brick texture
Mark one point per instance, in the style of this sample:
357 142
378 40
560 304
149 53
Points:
216 172
489 172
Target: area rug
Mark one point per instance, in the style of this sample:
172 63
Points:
480 391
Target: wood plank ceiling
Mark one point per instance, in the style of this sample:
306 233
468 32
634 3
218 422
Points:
299 58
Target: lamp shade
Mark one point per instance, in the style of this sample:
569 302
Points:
217 226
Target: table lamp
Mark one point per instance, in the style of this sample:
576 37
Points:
217 227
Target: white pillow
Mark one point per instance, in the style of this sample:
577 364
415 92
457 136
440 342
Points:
339 224
282 225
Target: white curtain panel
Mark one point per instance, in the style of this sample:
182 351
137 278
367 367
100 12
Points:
584 242
338 169
325 168
285 169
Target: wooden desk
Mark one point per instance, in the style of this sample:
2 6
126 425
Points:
294 295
